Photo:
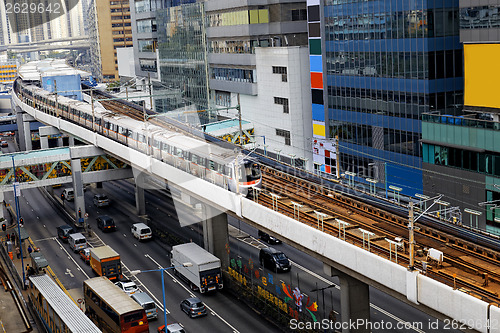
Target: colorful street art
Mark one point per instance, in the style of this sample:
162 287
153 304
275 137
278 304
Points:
281 295
58 169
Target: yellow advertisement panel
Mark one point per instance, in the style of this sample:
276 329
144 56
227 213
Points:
482 75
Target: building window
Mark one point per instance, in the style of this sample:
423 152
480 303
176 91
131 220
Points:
146 26
285 134
147 45
299 15
284 102
282 71
148 65
233 74
222 98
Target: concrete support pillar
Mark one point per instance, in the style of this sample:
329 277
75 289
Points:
76 168
44 132
60 142
215 234
27 135
71 141
2 197
20 129
44 142
23 129
354 301
140 200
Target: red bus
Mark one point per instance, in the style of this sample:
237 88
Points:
111 309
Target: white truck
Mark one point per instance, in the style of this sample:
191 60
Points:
202 272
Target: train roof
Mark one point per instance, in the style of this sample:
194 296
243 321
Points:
112 295
66 309
74 103
202 148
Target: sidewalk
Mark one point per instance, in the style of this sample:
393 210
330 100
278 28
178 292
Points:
11 319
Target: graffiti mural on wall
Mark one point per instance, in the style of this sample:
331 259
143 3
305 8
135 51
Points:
57 169
276 292
234 137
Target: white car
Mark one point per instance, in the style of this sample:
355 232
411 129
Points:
127 286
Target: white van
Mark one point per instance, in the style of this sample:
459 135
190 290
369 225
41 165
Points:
147 303
77 242
141 231
69 194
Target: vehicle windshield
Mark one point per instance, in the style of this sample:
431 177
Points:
149 306
280 256
145 231
197 305
80 241
130 288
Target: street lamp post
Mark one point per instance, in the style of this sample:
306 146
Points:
16 200
162 270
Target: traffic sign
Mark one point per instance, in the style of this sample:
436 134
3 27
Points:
17 189
86 215
80 220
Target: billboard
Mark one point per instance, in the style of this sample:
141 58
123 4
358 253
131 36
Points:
482 75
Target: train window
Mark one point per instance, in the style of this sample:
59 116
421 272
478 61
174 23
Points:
178 152
220 168
186 155
156 143
194 158
211 165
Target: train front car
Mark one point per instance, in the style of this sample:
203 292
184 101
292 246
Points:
250 176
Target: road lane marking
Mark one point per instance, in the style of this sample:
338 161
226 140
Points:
157 302
319 277
191 294
77 265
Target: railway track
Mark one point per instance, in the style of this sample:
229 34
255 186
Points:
472 268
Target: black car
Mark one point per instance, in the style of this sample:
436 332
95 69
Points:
274 259
268 238
106 223
64 231
194 307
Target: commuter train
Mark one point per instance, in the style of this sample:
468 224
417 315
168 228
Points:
219 165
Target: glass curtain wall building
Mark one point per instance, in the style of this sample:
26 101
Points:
384 63
182 53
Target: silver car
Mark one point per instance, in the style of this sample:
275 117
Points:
101 200
194 307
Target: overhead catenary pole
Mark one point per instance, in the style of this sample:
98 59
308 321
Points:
337 157
412 237
150 92
239 120
92 106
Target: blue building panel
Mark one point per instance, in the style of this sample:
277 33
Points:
395 84
318 112
316 63
382 6
66 85
361 118
395 45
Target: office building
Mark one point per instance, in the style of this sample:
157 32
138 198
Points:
376 66
461 154
258 53
109 28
